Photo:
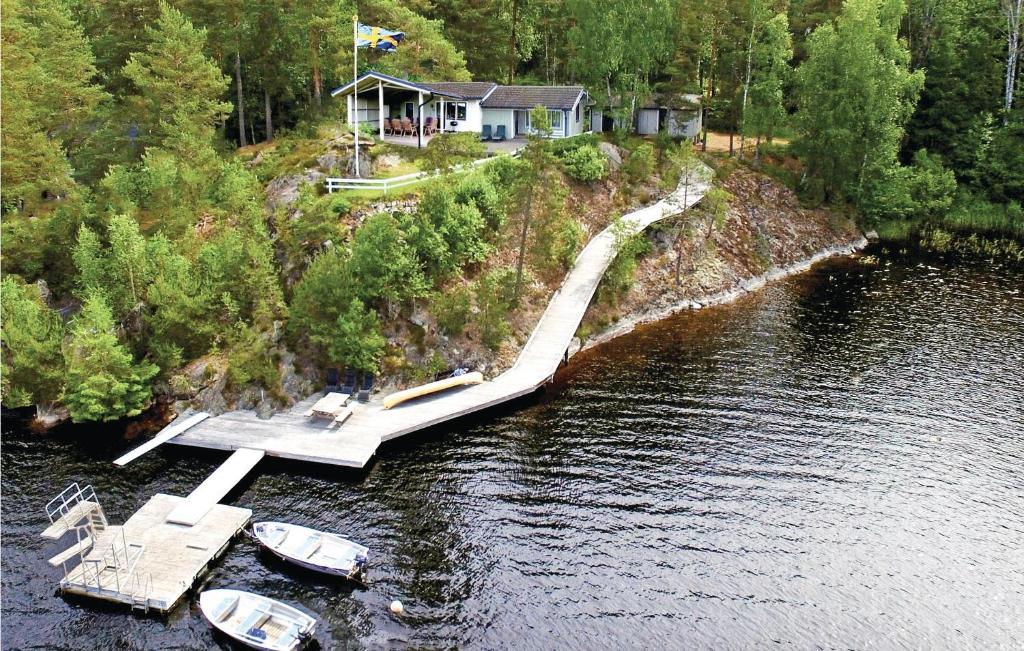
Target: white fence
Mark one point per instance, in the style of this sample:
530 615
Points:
395 182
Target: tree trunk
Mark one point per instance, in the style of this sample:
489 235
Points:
317 83
522 242
746 87
241 100
314 57
268 116
757 151
1012 9
512 58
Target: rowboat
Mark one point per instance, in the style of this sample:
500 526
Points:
315 550
256 621
476 377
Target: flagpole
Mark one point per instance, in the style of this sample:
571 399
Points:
355 82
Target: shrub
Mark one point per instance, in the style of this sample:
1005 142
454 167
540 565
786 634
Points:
618 278
585 163
451 310
495 297
639 166
478 189
921 190
563 146
447 149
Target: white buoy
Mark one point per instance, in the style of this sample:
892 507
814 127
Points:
396 607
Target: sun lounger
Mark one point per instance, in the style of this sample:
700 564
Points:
486 133
500 133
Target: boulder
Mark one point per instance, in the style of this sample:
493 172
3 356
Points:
613 154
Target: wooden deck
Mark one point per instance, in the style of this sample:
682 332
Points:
201 500
293 436
173 556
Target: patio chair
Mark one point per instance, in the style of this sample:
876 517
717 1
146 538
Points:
332 380
364 390
486 133
396 127
407 127
349 386
500 133
428 126
387 127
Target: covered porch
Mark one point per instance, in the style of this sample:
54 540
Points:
509 146
399 111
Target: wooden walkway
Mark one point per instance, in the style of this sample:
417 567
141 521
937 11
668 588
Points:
201 500
293 436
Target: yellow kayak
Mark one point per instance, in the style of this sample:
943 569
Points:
399 397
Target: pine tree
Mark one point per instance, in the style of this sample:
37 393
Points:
179 88
33 368
48 93
103 382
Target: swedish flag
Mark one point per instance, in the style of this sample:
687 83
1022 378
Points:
376 37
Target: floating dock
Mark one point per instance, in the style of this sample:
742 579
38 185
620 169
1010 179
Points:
146 563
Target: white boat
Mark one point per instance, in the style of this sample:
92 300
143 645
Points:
255 620
315 550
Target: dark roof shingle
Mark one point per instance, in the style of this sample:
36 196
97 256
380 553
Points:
525 97
462 89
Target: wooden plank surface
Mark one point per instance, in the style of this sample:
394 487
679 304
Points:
354 443
166 434
174 556
201 500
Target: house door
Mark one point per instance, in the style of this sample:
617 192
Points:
522 119
410 110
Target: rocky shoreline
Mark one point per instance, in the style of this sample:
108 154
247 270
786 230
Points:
630 321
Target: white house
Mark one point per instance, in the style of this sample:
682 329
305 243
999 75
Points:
464 106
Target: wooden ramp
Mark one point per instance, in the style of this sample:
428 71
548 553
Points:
207 494
354 443
166 434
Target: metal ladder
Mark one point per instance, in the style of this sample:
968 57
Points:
141 588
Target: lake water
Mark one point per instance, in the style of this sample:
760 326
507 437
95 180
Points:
834 461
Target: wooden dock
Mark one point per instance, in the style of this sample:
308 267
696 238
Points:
293 436
148 562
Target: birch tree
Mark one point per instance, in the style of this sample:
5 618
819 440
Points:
1012 13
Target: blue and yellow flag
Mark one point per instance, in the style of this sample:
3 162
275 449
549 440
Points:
376 37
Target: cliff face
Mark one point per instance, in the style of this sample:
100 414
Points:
765 233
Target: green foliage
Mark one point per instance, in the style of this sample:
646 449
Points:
356 341
448 149
383 266
639 165
451 309
766 110
445 233
629 246
478 190
922 190
179 88
585 163
250 359
33 366
855 93
495 297
48 95
103 382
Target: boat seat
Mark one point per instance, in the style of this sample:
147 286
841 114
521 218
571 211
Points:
256 619
224 609
277 538
309 547
291 634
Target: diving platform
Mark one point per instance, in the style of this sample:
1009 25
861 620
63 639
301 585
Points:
146 563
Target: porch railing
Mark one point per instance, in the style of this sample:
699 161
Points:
395 182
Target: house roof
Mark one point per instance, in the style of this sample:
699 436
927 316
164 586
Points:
462 89
682 101
393 82
525 97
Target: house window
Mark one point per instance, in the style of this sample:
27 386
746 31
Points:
455 111
556 119
578 111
